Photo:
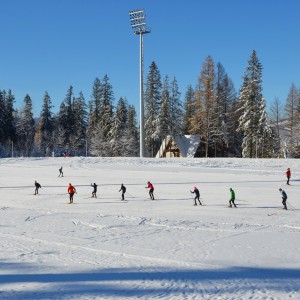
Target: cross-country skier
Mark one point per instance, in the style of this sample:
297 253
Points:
123 189
151 190
94 193
288 175
37 187
284 197
61 172
71 191
232 198
197 195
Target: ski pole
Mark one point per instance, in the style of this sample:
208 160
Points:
240 200
44 190
291 205
130 195
272 214
192 196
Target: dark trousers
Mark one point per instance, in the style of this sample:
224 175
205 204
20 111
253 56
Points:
288 180
94 194
123 197
232 202
284 203
36 191
71 197
197 198
151 194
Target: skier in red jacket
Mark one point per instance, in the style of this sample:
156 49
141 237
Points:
288 175
151 190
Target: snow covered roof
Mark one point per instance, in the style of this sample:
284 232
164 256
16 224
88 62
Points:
187 145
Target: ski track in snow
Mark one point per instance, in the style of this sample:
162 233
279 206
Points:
163 249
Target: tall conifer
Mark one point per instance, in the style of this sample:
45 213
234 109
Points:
291 106
189 110
25 129
46 126
253 123
152 101
206 98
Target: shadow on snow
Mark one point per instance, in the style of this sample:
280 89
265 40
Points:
135 283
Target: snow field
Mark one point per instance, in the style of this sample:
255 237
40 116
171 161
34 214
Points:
105 248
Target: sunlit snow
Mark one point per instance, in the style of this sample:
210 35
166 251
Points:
167 248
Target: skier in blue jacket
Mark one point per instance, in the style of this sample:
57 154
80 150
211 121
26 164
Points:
284 197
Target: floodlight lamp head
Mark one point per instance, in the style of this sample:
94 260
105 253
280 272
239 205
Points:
138 21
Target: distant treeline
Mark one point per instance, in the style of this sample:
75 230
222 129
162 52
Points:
229 123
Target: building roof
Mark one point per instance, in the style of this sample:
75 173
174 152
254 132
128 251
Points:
187 144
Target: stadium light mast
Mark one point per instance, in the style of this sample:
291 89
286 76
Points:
138 24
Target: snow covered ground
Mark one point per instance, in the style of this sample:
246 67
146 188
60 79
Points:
106 248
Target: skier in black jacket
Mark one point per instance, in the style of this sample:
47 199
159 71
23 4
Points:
123 189
37 187
197 196
94 193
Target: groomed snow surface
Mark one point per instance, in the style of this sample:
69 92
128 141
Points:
168 248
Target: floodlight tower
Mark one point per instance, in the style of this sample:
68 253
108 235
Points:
138 24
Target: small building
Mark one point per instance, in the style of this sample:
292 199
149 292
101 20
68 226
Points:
179 146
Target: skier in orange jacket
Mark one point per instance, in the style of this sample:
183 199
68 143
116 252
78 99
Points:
71 191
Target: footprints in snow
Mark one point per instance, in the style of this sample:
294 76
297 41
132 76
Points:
4 208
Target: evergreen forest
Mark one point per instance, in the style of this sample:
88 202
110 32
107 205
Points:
230 122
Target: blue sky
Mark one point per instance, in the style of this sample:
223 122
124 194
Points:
52 44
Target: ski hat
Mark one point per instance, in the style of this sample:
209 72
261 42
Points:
195 188
230 189
280 189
